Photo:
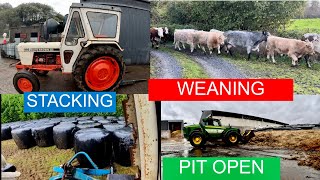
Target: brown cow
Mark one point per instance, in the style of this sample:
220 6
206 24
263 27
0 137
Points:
155 36
294 48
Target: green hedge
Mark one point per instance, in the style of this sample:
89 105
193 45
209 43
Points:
172 27
12 110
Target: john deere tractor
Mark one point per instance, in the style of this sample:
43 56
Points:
210 129
89 49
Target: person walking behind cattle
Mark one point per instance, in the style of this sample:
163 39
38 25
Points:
294 48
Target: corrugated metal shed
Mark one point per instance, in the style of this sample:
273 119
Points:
135 28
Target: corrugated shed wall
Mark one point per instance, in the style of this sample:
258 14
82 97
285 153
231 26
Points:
135 29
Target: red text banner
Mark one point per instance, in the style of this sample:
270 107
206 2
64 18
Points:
221 89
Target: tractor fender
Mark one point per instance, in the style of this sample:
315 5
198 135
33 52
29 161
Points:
109 43
89 46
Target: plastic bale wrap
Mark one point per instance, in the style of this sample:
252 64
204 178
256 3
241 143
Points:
5 133
105 121
97 143
43 135
23 138
85 122
63 135
111 127
121 145
98 118
84 118
89 125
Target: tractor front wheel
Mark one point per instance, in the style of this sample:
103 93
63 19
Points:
197 139
232 138
25 81
99 69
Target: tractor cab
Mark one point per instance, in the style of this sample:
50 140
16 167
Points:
89 49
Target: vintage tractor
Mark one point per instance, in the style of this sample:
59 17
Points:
89 49
210 129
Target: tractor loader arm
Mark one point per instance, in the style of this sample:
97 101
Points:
247 135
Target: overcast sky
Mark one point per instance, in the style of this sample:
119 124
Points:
304 109
60 6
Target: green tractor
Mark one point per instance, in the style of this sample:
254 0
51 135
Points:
210 129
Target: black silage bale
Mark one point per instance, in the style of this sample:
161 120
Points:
123 140
89 125
97 143
23 138
111 127
85 122
84 118
110 117
104 121
6 133
98 118
121 118
63 135
43 135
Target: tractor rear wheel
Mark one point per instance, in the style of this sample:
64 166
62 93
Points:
197 139
231 138
99 69
41 72
25 81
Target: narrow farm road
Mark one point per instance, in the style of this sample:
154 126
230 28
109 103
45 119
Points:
217 67
165 65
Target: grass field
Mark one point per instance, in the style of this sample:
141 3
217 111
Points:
305 25
37 163
306 80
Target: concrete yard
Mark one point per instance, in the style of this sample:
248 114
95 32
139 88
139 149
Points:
293 159
56 81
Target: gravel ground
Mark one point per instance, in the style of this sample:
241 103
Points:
217 67
289 164
166 66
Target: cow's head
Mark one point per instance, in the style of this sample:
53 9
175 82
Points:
309 48
222 39
265 36
166 30
160 32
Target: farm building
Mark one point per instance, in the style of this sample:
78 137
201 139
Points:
241 121
169 126
135 26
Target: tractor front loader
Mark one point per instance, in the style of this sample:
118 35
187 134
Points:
210 129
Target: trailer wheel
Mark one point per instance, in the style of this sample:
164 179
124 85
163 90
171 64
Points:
41 72
197 139
231 138
99 69
25 81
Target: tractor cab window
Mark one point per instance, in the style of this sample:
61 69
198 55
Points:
103 25
75 30
211 122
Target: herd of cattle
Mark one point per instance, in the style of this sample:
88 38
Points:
307 46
